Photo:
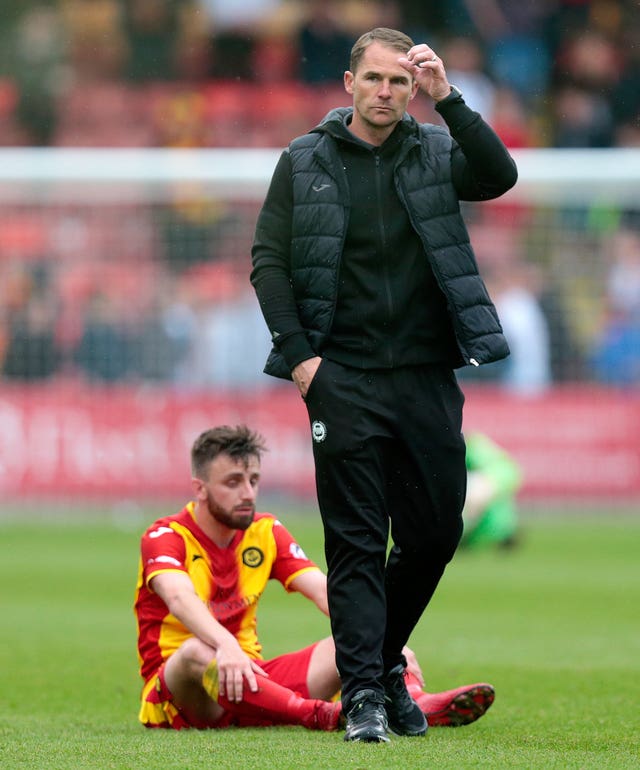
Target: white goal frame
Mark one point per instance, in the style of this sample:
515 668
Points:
546 176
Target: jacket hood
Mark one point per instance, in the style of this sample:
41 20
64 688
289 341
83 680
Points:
335 123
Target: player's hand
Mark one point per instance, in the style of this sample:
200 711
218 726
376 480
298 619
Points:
304 372
412 664
234 668
427 70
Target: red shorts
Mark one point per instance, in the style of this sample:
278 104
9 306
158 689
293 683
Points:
158 710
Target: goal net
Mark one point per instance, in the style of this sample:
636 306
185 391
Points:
128 324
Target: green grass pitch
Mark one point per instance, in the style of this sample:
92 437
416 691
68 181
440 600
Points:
554 625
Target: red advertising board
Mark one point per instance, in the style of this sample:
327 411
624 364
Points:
63 441
573 443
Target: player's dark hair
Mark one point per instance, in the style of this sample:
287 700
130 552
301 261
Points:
391 38
240 443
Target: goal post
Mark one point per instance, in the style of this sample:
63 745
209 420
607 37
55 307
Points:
545 175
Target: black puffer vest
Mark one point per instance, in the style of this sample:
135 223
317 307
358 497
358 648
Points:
321 205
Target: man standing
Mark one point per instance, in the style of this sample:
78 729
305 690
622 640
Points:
369 286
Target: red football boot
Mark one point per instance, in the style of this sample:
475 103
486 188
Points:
454 708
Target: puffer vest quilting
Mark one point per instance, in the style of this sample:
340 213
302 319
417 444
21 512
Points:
321 205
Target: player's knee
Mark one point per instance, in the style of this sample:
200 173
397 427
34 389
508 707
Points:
194 656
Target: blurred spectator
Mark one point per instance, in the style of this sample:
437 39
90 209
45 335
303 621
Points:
192 46
154 355
626 95
616 353
581 119
105 352
151 31
37 52
514 290
587 69
192 229
164 336
275 54
428 21
565 354
231 342
628 134
180 323
234 27
32 350
589 59
511 121
97 45
623 282
514 286
566 16
514 40
324 43
181 119
466 68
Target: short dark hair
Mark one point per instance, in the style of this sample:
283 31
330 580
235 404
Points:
240 443
391 38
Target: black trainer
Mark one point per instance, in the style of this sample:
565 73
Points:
403 713
366 718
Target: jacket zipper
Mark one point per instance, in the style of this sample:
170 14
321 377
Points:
383 244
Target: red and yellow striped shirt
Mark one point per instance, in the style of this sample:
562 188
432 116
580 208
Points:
229 580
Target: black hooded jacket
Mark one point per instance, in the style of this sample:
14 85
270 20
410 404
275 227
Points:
361 254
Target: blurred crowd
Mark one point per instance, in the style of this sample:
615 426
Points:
148 293
561 73
160 293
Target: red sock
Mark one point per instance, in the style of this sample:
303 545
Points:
415 691
271 703
275 704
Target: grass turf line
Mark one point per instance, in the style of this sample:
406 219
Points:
553 625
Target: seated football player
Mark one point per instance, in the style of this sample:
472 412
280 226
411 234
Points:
202 572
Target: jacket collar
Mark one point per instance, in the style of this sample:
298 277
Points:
335 122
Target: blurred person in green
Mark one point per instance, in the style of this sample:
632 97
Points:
493 479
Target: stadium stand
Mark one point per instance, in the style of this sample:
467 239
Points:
99 64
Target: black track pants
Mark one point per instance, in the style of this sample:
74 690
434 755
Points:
388 451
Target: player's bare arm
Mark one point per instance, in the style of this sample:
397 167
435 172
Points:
234 665
313 585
